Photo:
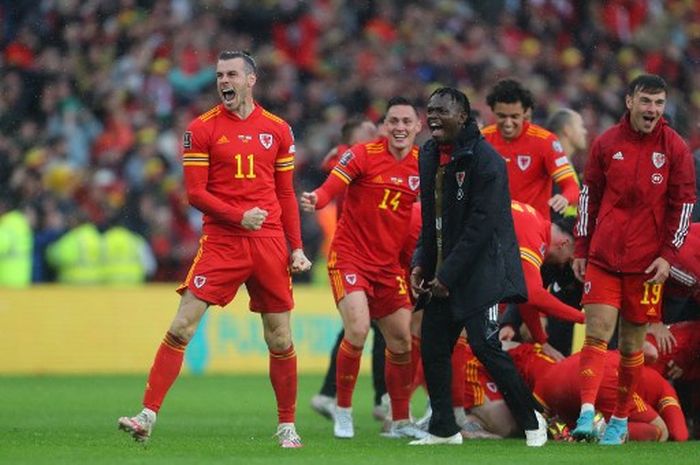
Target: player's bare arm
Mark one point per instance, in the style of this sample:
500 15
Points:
308 201
254 218
299 262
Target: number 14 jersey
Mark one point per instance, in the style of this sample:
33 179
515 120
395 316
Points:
377 208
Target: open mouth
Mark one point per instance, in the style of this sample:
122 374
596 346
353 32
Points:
435 127
228 94
648 119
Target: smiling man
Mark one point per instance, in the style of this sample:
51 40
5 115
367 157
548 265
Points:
467 261
535 158
238 162
367 278
634 213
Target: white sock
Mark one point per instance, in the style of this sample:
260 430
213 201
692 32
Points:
587 408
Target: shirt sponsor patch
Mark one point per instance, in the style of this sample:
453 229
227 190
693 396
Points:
187 140
561 161
556 145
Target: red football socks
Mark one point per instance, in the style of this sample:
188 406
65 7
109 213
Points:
283 375
591 368
416 364
398 373
164 372
629 372
347 368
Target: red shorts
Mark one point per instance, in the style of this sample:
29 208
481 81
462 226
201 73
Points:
222 264
638 301
478 385
387 291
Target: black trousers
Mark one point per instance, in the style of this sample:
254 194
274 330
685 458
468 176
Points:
439 335
378 346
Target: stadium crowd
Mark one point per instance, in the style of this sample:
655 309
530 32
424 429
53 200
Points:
95 94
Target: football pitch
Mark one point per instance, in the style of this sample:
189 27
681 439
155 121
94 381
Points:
231 419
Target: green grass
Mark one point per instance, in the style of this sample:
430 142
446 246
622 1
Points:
231 419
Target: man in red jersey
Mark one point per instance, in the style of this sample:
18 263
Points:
489 416
367 279
238 164
355 130
634 211
542 242
654 415
534 156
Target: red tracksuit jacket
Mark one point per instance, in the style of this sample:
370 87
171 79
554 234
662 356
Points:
637 198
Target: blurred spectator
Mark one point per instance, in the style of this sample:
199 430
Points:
89 88
77 256
128 259
15 244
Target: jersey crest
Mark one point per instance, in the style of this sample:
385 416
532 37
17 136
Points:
413 182
351 278
199 281
266 140
524 161
460 175
658 159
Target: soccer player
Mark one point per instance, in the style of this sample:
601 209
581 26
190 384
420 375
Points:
654 412
681 360
634 211
355 130
238 163
367 279
490 417
542 242
534 156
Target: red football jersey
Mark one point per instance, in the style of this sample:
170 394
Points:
534 160
232 165
531 362
533 233
377 211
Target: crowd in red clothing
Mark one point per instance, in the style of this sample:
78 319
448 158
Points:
95 94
